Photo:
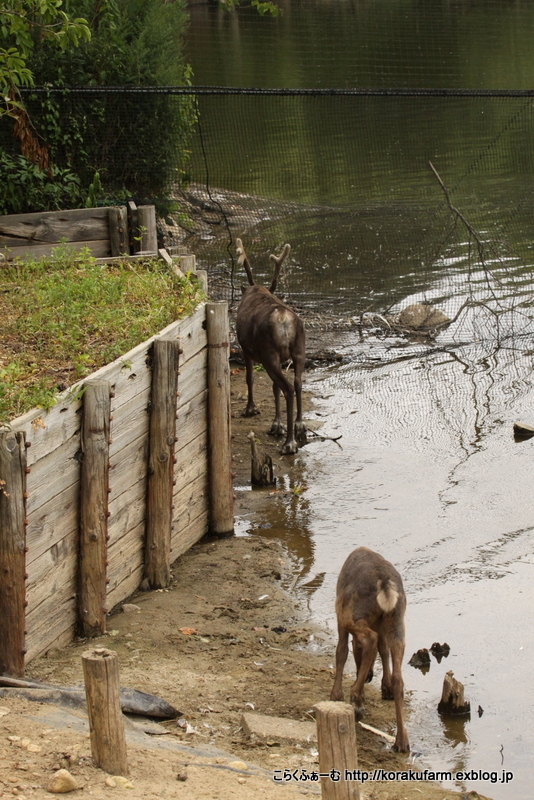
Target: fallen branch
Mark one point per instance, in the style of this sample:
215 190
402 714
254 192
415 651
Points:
377 732
326 438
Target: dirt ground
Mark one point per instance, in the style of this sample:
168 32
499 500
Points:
225 638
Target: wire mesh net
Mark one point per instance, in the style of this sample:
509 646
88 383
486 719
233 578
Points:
388 197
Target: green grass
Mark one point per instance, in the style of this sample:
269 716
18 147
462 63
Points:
63 317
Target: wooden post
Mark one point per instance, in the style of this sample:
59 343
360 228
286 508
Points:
146 222
219 432
12 552
338 753
161 460
106 725
202 277
118 231
187 263
94 507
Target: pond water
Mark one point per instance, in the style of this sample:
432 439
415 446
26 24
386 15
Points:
428 473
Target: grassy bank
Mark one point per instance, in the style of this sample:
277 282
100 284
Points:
63 317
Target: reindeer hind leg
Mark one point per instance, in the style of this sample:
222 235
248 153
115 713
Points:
250 410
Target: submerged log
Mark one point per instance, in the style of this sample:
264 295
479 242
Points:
452 697
261 465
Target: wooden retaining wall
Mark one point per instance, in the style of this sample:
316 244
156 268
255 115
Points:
53 453
106 232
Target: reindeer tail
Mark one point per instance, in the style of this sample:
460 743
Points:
242 260
387 595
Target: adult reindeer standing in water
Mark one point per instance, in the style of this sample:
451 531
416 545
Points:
270 333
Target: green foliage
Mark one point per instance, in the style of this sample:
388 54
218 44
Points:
262 8
24 187
22 24
95 191
137 143
69 316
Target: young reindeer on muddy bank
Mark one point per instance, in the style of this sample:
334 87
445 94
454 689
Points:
270 333
370 605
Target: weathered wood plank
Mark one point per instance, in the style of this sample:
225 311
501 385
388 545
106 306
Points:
127 512
98 247
192 520
190 534
48 430
130 421
126 556
125 588
52 226
41 568
51 522
128 466
191 460
53 474
192 420
193 378
59 635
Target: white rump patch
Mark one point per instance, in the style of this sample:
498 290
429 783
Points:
386 598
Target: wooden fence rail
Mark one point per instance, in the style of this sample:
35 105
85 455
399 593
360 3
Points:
124 460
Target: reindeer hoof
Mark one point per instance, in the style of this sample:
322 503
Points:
300 434
277 429
401 745
250 412
358 710
289 449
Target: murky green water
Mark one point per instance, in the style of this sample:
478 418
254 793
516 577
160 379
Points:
428 474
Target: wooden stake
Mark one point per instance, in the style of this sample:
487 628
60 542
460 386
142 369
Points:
219 413
118 231
106 725
12 552
161 461
146 221
338 754
94 507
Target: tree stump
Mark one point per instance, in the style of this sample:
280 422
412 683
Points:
452 697
261 465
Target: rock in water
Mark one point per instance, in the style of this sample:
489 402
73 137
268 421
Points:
422 316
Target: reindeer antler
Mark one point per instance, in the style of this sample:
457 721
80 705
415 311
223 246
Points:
242 260
278 261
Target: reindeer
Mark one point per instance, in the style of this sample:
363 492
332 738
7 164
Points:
270 333
370 604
